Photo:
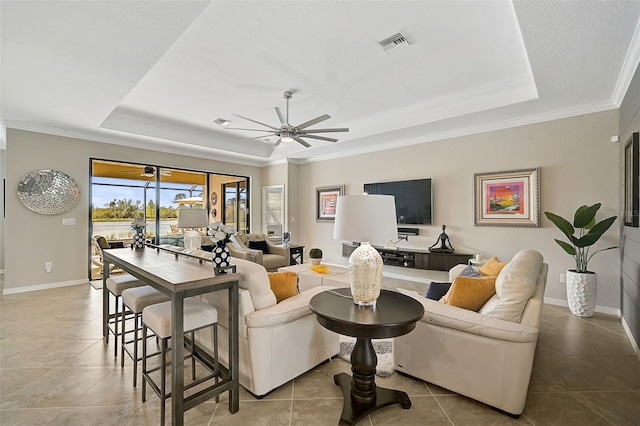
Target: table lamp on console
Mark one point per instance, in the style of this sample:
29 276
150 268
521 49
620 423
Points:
365 219
192 219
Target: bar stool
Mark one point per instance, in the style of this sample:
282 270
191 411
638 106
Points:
116 285
197 315
136 299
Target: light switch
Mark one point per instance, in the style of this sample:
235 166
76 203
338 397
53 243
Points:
69 221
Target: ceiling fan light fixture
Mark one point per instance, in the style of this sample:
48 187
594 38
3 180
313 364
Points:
287 139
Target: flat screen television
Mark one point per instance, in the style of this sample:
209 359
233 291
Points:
414 201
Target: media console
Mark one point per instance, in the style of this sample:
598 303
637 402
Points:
414 258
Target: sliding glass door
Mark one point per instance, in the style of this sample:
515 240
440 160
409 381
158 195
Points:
121 192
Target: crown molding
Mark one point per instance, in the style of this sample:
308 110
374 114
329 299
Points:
141 142
631 62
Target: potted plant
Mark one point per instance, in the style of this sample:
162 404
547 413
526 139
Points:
315 254
581 283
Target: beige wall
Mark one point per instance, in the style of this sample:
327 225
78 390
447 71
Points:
578 164
35 239
2 219
630 248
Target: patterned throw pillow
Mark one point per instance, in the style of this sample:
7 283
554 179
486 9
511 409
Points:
470 272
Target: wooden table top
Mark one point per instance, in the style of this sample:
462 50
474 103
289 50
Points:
393 315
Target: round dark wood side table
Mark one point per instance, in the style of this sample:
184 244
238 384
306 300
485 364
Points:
394 314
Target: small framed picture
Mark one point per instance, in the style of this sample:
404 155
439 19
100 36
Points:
631 181
326 198
509 198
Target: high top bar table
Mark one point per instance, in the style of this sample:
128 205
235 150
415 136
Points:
180 277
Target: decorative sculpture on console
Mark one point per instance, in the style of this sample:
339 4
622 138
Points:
445 244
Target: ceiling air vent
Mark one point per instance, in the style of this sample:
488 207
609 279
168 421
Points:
393 43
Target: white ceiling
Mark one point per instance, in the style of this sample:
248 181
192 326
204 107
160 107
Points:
155 74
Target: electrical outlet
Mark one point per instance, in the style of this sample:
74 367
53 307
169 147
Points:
563 278
48 266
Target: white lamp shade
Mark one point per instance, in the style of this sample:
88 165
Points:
370 218
192 218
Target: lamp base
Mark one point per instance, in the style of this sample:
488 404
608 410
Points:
192 240
365 275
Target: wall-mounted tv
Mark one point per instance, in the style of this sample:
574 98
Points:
414 201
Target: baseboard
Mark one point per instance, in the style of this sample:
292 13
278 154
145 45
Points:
601 309
46 286
633 342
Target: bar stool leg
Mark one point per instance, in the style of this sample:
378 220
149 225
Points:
115 328
163 380
144 362
136 318
122 340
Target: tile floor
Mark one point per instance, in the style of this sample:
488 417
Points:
56 370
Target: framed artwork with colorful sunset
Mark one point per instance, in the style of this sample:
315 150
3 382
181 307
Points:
508 198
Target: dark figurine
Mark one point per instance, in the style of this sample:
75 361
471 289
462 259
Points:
445 244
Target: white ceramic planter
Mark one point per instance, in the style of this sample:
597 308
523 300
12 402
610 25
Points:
581 293
315 260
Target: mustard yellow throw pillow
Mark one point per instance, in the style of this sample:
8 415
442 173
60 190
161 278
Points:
492 267
470 293
283 284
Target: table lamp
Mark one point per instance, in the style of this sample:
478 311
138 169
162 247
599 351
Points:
192 218
365 219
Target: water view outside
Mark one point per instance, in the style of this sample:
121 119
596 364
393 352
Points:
122 230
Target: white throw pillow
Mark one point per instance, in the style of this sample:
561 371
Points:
515 285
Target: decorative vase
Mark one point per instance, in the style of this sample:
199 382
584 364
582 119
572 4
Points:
581 292
365 274
221 256
138 238
315 260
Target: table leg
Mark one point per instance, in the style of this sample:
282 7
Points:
361 395
177 359
234 368
105 300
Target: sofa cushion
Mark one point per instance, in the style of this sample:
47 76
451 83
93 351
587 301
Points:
254 278
436 290
283 284
515 285
258 245
469 292
492 267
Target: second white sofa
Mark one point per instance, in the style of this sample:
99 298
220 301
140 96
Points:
485 355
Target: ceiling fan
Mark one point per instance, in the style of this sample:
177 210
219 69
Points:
149 171
288 133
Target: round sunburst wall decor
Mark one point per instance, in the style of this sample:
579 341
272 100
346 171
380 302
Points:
48 192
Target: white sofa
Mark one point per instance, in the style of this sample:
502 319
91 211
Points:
485 355
278 341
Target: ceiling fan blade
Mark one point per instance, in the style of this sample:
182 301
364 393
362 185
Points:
263 136
251 130
314 121
340 129
254 121
277 143
301 142
281 117
322 138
